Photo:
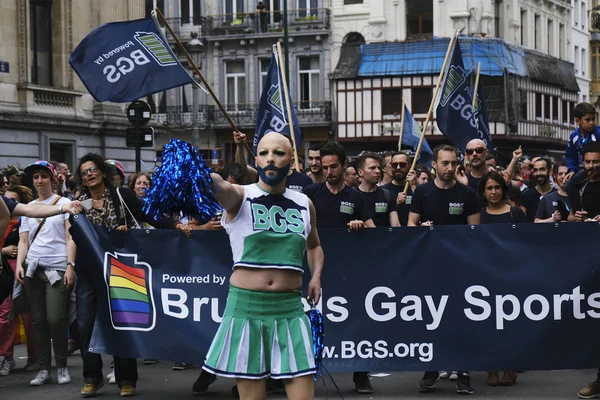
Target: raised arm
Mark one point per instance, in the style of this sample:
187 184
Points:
230 196
240 156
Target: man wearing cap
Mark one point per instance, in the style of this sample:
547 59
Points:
119 177
12 174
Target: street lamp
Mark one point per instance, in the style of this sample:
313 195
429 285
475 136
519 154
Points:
195 47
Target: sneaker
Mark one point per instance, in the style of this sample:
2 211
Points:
591 391
362 384
127 391
63 376
463 385
150 361
181 366
111 378
7 366
91 389
203 382
444 374
73 347
276 386
453 376
429 380
42 377
31 366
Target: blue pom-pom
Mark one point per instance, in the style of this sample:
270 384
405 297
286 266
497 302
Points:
182 183
318 333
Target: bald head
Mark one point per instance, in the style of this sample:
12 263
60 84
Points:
275 139
476 143
476 152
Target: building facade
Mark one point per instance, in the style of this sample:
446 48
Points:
534 72
45 110
594 29
233 47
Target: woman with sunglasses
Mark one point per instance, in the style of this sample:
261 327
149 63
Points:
494 189
115 208
45 266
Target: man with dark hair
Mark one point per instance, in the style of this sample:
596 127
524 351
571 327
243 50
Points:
585 196
339 206
400 164
530 199
380 202
315 170
386 167
554 207
587 131
444 201
234 173
490 161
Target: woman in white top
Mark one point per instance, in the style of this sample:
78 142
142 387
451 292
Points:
45 266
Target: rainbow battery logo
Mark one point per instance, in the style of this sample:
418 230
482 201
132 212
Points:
130 299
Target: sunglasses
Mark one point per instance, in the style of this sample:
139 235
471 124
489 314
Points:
478 150
90 170
395 165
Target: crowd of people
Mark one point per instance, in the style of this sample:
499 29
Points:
377 190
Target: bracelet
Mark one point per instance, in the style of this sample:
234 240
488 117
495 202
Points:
60 209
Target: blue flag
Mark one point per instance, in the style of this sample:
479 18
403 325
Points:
124 61
455 116
482 119
272 109
411 134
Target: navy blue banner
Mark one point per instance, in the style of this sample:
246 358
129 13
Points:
124 61
489 297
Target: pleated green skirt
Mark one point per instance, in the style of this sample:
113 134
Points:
263 334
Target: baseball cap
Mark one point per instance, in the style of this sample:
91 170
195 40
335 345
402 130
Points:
10 170
40 164
116 164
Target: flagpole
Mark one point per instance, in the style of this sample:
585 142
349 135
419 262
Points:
197 71
401 126
288 103
476 85
430 112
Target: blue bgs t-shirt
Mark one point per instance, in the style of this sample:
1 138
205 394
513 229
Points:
444 206
10 203
297 181
336 210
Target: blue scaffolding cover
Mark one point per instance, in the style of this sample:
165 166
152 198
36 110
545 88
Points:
424 57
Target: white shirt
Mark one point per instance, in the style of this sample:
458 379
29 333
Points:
50 245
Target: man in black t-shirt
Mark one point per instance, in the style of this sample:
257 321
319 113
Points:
585 196
476 153
444 202
339 206
530 198
554 207
400 164
380 202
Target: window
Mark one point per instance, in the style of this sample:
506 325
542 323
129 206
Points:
576 12
419 18
190 11
274 7
577 59
232 7
152 4
235 80
523 104
391 102
561 41
264 68
595 72
551 37
565 112
583 15
547 107
555 108
40 24
62 152
353 1
308 7
497 18
524 27
309 79
538 106
421 100
537 34
583 61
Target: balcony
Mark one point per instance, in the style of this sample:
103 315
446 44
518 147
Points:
308 20
184 28
311 113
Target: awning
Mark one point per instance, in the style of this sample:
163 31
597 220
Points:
425 57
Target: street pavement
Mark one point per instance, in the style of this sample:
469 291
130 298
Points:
159 381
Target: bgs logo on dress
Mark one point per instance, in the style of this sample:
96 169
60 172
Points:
129 286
